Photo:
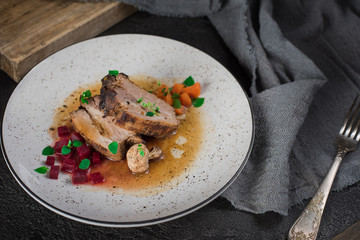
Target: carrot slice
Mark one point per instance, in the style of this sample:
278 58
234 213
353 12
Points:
185 99
161 91
168 99
193 91
180 111
177 88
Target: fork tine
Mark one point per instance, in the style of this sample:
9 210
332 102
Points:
355 131
354 116
342 130
357 135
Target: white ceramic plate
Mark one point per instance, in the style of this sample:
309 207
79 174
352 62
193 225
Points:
29 113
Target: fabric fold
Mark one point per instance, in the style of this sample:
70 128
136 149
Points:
284 84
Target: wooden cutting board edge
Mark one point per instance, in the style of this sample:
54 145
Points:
115 12
351 233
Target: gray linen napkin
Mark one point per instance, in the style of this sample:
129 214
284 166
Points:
303 61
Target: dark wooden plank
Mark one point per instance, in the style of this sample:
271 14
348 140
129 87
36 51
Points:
31 30
351 233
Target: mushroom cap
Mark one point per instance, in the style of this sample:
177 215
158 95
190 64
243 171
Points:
138 158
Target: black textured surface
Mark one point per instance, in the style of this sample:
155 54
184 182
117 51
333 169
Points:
21 217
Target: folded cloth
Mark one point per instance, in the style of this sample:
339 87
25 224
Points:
303 59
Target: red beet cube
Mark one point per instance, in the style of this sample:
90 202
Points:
63 132
50 160
80 177
83 151
59 144
96 158
96 177
54 172
69 155
68 165
75 136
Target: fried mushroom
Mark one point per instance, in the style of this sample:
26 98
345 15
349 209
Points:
138 157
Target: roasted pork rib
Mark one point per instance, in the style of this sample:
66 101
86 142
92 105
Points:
119 98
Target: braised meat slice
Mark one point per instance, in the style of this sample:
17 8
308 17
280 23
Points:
99 130
93 135
119 99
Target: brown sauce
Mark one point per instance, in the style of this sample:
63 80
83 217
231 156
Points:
162 172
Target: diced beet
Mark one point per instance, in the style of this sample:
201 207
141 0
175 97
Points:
59 144
80 177
50 160
96 177
69 155
96 158
54 172
75 136
68 165
63 132
83 151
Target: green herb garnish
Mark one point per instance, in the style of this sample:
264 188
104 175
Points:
198 102
77 143
176 104
189 81
85 96
141 151
69 145
65 150
113 72
113 147
153 110
84 164
175 96
165 92
41 170
159 83
48 151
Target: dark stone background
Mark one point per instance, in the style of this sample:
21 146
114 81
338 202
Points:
21 217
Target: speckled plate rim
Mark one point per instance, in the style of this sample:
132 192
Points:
134 223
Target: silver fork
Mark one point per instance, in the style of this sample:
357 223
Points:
307 225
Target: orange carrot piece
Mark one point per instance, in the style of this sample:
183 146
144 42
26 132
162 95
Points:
177 88
193 91
185 99
160 92
180 111
168 99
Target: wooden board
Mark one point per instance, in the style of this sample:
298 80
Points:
351 233
31 30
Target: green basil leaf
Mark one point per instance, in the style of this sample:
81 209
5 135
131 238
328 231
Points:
87 93
198 102
41 170
65 150
84 164
69 145
113 72
141 152
175 96
113 147
176 104
189 81
77 143
150 114
48 151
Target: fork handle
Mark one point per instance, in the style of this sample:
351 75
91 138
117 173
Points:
307 225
